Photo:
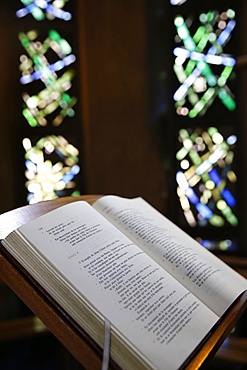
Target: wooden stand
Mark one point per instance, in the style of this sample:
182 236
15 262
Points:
74 339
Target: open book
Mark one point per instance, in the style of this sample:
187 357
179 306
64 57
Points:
123 262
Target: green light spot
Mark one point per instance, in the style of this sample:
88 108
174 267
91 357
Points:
26 2
212 37
71 112
222 94
199 33
65 46
38 14
54 35
227 100
227 71
30 119
181 154
202 44
201 65
41 142
230 13
183 133
178 21
210 16
221 81
190 67
209 93
211 80
193 113
66 98
216 221
196 159
24 40
233 220
212 130
193 99
76 193
224 245
203 18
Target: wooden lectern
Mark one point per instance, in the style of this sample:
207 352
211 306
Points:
74 339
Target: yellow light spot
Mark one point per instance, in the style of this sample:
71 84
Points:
221 204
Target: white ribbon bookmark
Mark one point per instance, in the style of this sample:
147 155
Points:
107 343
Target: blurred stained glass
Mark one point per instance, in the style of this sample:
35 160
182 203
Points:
51 168
201 65
224 245
206 177
44 9
54 99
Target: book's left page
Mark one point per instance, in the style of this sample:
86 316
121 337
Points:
81 259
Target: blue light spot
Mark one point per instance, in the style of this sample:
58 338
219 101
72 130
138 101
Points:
228 197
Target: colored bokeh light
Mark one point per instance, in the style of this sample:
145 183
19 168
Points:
44 9
54 99
51 168
201 66
205 177
221 245
177 2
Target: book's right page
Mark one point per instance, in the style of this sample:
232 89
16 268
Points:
205 275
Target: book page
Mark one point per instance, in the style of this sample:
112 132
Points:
212 281
158 316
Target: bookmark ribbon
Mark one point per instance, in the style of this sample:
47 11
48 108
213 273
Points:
107 343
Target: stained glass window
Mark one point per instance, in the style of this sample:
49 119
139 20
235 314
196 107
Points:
45 9
35 66
47 70
201 65
205 121
205 177
51 168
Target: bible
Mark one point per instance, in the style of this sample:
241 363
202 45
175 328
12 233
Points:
122 262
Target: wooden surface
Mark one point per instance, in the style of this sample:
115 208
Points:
21 328
74 339
233 351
